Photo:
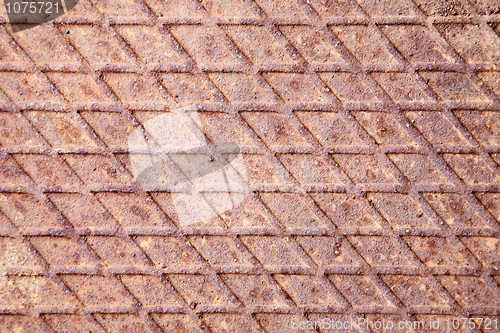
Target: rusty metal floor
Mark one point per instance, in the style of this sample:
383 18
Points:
369 132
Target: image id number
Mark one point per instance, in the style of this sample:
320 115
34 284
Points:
471 323
32 7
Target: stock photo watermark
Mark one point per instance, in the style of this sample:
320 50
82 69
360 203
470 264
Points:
435 323
29 14
205 179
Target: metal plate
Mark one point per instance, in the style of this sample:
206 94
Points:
356 178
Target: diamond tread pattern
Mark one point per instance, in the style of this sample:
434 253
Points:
371 134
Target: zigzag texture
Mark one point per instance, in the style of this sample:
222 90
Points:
370 131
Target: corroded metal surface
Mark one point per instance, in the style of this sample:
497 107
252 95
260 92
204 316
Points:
369 131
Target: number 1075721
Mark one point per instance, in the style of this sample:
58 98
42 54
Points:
471 323
32 7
